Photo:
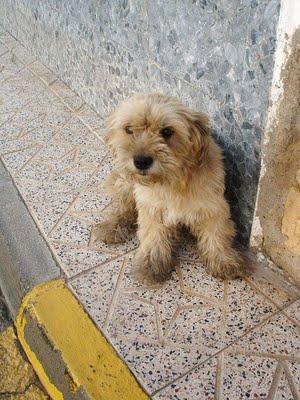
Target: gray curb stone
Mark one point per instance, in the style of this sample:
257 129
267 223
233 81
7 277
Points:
25 258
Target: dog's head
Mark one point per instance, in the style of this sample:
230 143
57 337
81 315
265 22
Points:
156 138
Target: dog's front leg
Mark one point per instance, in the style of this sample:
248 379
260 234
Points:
215 243
153 261
120 221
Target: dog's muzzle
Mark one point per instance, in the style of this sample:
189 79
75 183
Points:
142 162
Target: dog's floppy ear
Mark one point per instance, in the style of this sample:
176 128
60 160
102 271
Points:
110 134
199 133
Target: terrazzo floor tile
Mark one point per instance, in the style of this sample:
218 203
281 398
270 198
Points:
274 286
75 259
293 311
78 134
23 54
14 161
67 95
3 49
8 40
193 337
95 289
182 320
194 386
245 309
264 364
43 72
72 230
9 65
21 125
90 117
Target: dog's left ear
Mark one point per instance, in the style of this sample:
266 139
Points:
199 133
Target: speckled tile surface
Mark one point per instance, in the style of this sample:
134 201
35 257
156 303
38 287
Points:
264 364
193 337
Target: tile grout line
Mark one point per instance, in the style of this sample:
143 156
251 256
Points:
275 381
290 380
220 359
219 376
91 269
31 146
115 295
278 357
294 321
259 290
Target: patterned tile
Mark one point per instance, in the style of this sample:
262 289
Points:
264 364
46 200
155 365
35 171
72 230
95 289
43 72
67 95
274 286
276 336
90 117
245 309
3 49
75 175
181 319
23 54
9 65
293 311
197 282
194 386
75 259
17 160
77 134
8 40
93 200
54 151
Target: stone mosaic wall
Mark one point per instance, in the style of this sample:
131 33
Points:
215 55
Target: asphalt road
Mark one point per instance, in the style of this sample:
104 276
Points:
17 378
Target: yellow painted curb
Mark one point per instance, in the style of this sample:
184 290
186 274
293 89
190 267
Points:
92 365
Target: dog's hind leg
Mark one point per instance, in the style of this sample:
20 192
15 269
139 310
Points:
215 238
120 221
153 261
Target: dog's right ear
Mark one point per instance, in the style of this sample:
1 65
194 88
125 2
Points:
110 136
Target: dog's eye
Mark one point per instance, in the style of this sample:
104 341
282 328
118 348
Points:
166 132
128 130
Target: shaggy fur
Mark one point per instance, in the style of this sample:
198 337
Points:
183 187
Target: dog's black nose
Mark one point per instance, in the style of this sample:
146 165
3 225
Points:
143 162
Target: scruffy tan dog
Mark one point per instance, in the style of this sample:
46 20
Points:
169 174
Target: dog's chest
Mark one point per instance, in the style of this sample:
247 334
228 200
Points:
172 207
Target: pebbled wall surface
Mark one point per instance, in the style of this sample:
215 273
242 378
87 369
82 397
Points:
215 55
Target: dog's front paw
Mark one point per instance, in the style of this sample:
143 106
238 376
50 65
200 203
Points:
149 273
227 271
108 232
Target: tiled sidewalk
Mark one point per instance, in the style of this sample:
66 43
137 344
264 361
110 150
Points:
192 338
